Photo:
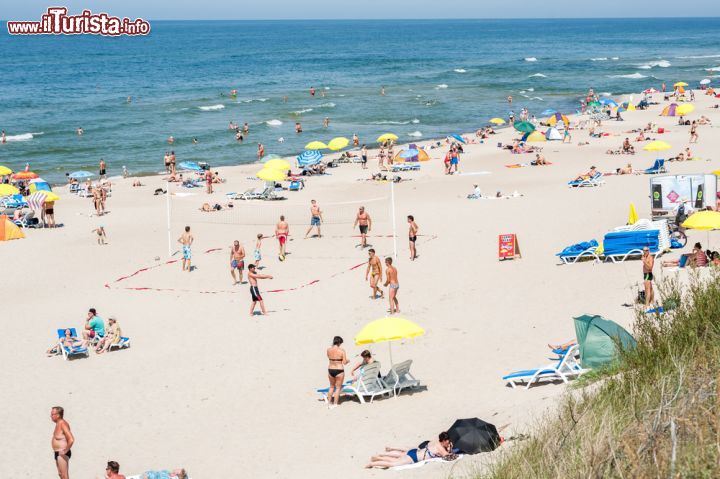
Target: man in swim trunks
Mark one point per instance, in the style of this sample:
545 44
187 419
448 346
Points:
260 151
237 261
94 326
374 269
255 291
363 157
282 231
102 168
208 181
391 281
648 262
412 236
186 240
62 442
365 222
312 91
315 218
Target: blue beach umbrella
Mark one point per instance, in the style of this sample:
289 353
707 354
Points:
190 165
608 101
409 153
309 158
548 112
458 138
80 174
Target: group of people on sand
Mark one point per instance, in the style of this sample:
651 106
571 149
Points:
63 439
95 332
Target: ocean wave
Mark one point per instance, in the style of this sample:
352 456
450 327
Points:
250 100
530 89
530 59
304 110
460 70
326 105
606 93
713 69
273 123
415 134
599 59
415 121
700 56
615 58
22 137
211 107
537 98
632 76
442 86
538 75
389 122
659 63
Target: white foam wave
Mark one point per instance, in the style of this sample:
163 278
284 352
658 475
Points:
389 122
606 93
22 137
700 56
211 107
460 70
645 67
326 105
615 58
304 110
530 59
599 59
442 86
659 63
537 98
273 122
415 121
415 134
538 75
530 89
713 69
250 100
632 76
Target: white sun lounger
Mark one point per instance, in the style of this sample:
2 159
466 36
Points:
563 369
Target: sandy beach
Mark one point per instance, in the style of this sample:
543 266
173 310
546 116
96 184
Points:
209 388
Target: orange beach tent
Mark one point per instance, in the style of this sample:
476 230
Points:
8 229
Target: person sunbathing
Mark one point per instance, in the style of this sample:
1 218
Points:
174 474
627 148
539 160
394 456
113 335
591 173
137 183
641 136
680 157
695 259
476 194
366 359
628 170
69 341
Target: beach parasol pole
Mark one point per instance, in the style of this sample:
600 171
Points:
392 213
167 202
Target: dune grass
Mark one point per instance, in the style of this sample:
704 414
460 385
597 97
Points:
655 414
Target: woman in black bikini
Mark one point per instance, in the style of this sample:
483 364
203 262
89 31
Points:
336 370
395 456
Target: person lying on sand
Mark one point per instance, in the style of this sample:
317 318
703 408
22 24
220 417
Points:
680 157
628 170
174 474
68 341
216 207
394 456
592 172
137 183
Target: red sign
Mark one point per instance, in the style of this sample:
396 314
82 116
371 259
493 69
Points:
508 246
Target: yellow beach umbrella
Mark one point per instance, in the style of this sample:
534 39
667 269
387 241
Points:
389 328
277 164
716 172
270 174
338 143
684 109
50 196
657 146
680 83
316 145
536 136
497 121
4 171
632 215
7 190
703 220
387 137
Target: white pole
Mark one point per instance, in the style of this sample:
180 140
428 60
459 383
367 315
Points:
167 202
392 213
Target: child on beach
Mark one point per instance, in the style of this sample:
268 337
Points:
101 236
256 252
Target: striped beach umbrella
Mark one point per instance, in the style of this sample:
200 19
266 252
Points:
36 200
309 157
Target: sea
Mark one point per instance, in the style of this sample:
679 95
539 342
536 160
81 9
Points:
440 77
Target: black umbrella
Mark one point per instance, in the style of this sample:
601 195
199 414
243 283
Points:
474 435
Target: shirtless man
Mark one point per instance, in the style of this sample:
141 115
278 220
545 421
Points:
365 222
260 151
391 281
412 236
648 262
186 240
315 218
374 269
255 291
62 442
102 168
237 261
112 471
282 231
208 181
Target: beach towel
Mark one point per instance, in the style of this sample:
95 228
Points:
422 463
517 165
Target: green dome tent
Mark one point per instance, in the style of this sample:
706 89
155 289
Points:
597 338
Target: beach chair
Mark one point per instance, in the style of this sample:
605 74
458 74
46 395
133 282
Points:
405 167
73 187
123 343
14 201
28 220
70 352
572 254
399 377
621 245
595 180
368 384
657 167
563 369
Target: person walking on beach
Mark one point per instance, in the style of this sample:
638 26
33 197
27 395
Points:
208 181
648 262
391 281
102 168
365 222
282 231
374 270
412 236
237 261
186 240
337 359
363 157
315 218
260 151
101 236
62 442
255 296
693 132
355 140
257 254
97 200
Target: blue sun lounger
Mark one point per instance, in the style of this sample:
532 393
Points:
592 181
572 254
657 167
620 245
563 369
70 352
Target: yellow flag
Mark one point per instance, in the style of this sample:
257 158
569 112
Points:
632 215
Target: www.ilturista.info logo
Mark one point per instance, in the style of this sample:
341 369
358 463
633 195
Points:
57 22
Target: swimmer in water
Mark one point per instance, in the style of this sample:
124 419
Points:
312 91
171 140
80 131
129 99
326 122
298 127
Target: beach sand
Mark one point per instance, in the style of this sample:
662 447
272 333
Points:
207 387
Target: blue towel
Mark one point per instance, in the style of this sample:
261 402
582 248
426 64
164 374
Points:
578 248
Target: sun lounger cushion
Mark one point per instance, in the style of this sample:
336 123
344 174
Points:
576 249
